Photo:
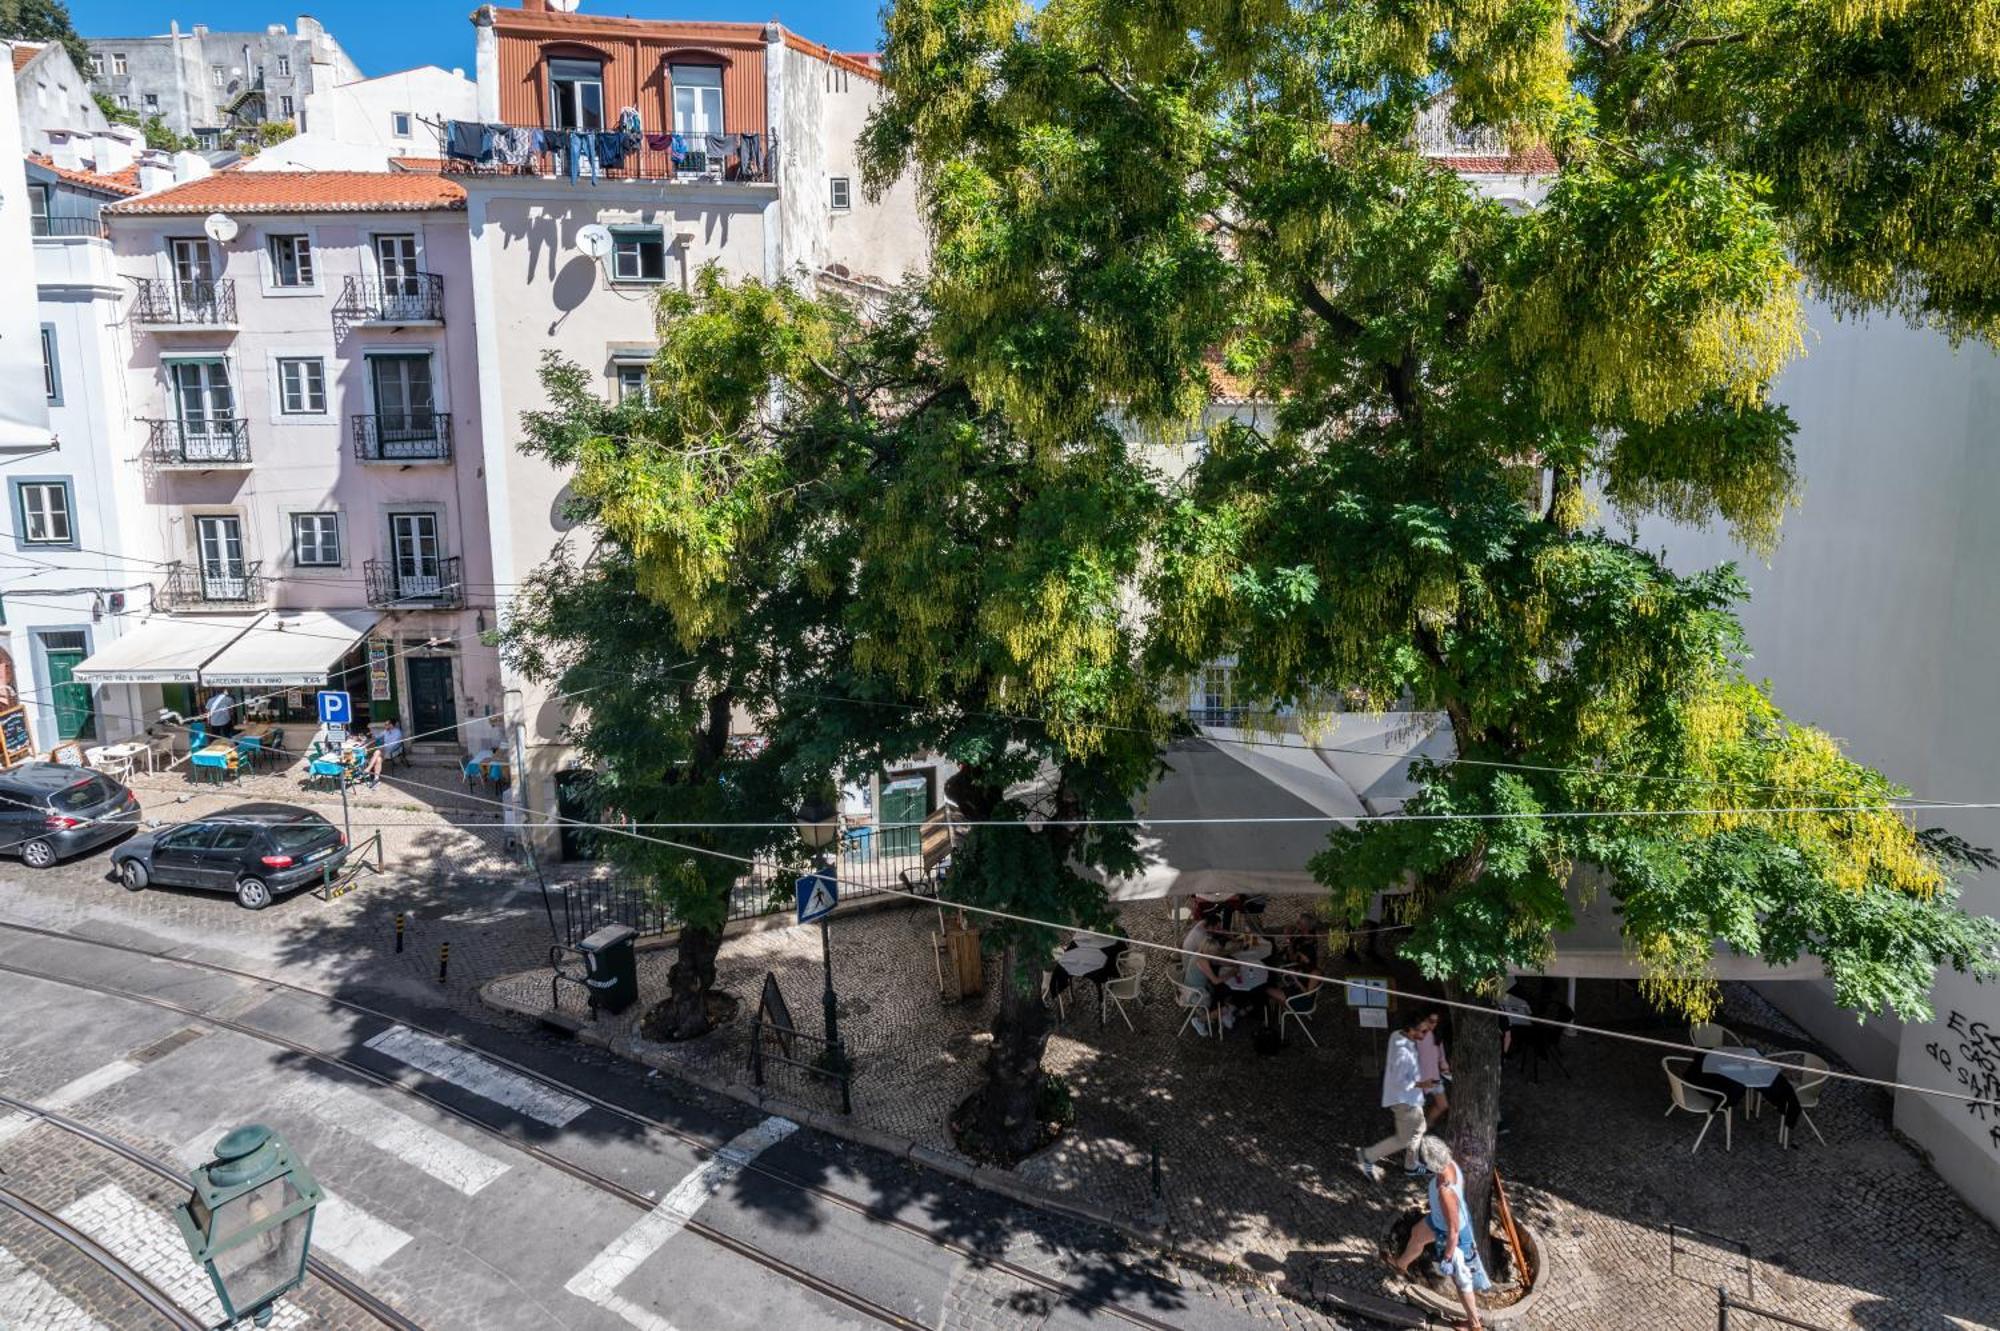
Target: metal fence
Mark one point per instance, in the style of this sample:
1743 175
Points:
864 869
1733 1313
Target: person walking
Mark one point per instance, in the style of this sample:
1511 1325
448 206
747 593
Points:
1403 1088
222 714
1448 1223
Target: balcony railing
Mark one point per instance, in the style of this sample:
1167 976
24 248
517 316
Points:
89 227
213 441
607 154
418 436
186 304
200 586
429 584
414 298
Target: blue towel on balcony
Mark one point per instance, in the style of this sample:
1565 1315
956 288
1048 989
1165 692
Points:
468 141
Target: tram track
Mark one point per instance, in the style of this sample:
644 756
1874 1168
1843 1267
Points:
986 1260
149 1293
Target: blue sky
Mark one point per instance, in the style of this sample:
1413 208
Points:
387 35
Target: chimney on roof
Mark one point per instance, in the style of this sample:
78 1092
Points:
110 153
64 150
201 30
190 166
156 170
486 63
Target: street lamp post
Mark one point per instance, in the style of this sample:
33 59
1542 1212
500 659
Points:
248 1221
819 825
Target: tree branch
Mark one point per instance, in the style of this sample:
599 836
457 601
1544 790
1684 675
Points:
1716 39
1315 300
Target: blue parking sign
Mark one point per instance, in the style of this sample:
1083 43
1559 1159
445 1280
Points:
335 709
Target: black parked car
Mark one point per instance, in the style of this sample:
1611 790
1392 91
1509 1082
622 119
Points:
257 851
48 811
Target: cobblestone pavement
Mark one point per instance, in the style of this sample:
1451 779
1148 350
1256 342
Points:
1256 1151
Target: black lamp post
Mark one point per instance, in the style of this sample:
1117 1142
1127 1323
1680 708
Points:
819 825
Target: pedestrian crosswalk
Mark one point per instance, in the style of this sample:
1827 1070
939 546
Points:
350 1234
69 1095
483 1077
27 1300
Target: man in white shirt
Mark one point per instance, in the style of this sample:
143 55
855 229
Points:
1403 1088
222 714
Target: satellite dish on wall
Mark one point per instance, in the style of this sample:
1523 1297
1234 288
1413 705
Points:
594 240
221 227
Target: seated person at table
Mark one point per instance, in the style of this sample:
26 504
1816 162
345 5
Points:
387 746
1204 969
1298 952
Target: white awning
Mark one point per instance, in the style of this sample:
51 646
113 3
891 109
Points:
289 649
164 649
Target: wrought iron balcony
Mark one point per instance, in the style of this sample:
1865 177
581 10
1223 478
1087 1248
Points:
41 224
431 584
213 441
174 303
200 587
415 436
416 298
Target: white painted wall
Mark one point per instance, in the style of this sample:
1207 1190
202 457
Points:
24 409
1879 620
51 94
351 127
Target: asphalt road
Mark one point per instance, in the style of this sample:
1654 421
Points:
495 1178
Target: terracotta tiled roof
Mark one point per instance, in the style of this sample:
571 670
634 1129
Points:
124 182
1536 161
23 53
832 57
302 192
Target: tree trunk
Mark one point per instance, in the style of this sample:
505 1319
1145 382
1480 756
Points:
688 983
1475 1105
1006 1121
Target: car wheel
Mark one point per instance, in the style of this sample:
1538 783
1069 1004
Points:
38 854
132 873
252 894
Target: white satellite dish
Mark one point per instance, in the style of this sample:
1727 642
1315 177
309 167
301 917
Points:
221 227
594 240
566 6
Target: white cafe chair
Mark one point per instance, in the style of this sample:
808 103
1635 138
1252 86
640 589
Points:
1809 1075
1196 1001
1695 1100
1708 1035
1131 967
1300 1007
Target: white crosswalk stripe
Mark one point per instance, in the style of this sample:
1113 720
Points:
599 1281
467 1070
146 1240
27 1300
445 1158
69 1094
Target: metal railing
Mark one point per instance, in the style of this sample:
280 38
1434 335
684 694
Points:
206 442
1725 1305
417 436
441 583
190 586
412 298
89 227
584 154
185 303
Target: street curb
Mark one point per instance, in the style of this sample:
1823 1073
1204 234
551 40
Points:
1001 1182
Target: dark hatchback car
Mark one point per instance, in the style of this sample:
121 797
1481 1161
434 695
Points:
259 852
49 811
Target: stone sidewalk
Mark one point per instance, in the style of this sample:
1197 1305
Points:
1255 1151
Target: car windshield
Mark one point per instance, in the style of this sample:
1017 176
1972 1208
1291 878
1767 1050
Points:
292 838
92 790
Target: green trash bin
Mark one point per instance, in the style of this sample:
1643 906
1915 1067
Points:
906 802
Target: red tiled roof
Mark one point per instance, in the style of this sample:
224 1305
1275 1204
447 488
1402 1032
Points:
124 182
1536 161
832 57
302 192
23 53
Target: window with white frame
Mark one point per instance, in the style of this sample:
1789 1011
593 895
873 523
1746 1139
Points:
634 383
96 65
285 107
697 98
840 193
301 386
639 254
399 124
43 508
291 261
152 101
119 65
219 75
125 100
284 66
316 540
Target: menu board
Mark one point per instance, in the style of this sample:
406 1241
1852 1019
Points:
17 743
378 670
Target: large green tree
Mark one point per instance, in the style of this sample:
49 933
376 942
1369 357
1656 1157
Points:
890 571
44 21
1119 192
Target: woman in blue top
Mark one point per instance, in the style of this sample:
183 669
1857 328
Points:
1448 1224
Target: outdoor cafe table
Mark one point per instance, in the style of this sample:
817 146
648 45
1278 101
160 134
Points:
1733 1071
1092 957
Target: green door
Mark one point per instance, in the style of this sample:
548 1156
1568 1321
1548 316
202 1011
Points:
76 714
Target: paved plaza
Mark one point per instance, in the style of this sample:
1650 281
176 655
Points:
1255 1150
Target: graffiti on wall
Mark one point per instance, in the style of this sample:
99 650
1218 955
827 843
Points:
1969 1053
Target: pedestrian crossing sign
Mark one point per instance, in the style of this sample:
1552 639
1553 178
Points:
819 893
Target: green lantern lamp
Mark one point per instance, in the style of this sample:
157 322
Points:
249 1221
